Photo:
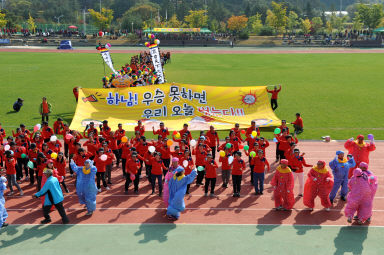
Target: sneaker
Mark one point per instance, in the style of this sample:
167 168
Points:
126 192
355 218
107 188
205 194
368 220
261 193
223 186
359 222
187 192
99 190
136 192
311 209
71 175
212 195
160 194
153 192
257 193
349 220
328 209
331 201
109 183
300 195
46 221
21 193
10 193
89 213
26 178
66 222
67 190
234 195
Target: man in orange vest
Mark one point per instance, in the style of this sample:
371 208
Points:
45 109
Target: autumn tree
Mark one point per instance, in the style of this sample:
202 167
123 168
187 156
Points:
277 17
31 24
317 24
174 22
197 19
3 20
306 26
237 23
101 20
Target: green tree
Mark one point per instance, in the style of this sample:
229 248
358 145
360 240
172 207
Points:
370 15
277 17
255 24
292 21
174 22
197 19
338 22
306 26
317 24
101 20
357 25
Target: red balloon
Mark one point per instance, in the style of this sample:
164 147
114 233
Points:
174 132
241 146
243 131
132 177
100 33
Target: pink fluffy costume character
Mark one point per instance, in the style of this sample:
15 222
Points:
283 183
359 150
167 178
319 183
360 198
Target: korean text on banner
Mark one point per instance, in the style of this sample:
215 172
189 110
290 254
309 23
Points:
175 104
155 54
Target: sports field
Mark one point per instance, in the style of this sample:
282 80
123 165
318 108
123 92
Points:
338 94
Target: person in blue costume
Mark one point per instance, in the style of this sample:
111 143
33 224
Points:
177 188
52 196
86 186
340 167
3 211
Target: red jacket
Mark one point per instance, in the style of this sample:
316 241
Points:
140 129
92 147
10 164
213 138
298 122
210 169
132 166
187 169
274 93
259 164
163 132
60 167
297 163
55 146
224 162
119 134
157 167
46 132
200 157
250 130
238 166
100 164
189 136
57 127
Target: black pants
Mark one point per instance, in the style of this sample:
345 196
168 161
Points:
159 182
148 169
101 176
66 150
39 178
167 162
251 166
211 181
188 186
141 166
22 164
236 181
64 185
298 130
200 176
32 175
123 166
60 209
117 155
274 104
44 116
213 152
279 153
135 182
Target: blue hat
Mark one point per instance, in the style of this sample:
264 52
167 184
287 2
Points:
179 169
339 152
202 137
88 161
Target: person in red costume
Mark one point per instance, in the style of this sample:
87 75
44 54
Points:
283 183
319 183
274 97
359 150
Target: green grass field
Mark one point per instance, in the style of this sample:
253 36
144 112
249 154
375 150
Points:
338 94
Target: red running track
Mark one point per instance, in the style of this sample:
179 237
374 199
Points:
114 207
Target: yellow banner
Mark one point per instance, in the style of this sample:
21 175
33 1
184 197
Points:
175 104
176 30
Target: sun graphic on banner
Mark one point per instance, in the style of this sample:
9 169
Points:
249 99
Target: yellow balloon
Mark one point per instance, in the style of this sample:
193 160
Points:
222 153
177 136
254 133
54 155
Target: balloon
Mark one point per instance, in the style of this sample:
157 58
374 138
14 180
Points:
200 168
103 157
35 128
243 132
228 145
175 132
275 140
151 149
146 44
185 163
370 137
246 147
68 136
193 142
23 155
53 155
30 164
157 41
124 139
241 146
152 36
53 138
38 125
108 45
101 33
252 154
169 143
177 136
149 36
7 147
132 177
222 153
230 159
277 131
254 133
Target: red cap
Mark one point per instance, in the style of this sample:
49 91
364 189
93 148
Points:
284 161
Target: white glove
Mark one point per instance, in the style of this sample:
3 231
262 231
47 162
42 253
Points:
351 139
